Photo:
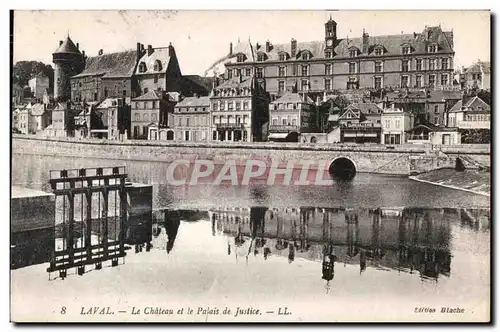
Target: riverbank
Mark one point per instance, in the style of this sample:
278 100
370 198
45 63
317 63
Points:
469 180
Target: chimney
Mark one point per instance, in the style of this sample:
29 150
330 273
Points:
77 46
171 50
293 51
139 54
83 54
100 51
366 44
268 46
60 42
150 50
230 48
142 48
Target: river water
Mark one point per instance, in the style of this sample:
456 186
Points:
376 240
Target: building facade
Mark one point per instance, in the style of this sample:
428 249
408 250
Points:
417 60
150 110
290 116
470 114
38 84
68 61
395 123
428 133
192 119
239 110
158 69
106 76
361 123
117 114
478 76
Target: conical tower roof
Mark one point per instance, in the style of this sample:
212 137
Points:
67 47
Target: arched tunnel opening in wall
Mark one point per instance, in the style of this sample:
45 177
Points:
342 169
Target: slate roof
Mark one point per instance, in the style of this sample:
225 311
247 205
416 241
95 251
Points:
476 67
196 81
291 97
365 108
67 47
161 54
474 104
150 95
194 102
391 45
119 64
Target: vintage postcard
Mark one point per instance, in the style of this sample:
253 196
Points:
250 166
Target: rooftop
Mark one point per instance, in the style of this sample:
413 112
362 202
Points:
474 104
194 102
160 55
291 97
67 47
119 64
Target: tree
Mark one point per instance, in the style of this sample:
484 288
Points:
23 71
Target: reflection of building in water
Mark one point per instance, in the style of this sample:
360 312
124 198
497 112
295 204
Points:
405 239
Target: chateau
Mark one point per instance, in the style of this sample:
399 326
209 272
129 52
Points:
417 60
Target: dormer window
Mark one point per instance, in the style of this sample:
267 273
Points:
353 53
157 66
405 49
240 58
261 57
378 51
433 48
142 67
328 54
305 56
283 56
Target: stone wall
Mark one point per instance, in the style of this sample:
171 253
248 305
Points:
367 158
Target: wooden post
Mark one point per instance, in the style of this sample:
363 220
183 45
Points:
105 194
88 230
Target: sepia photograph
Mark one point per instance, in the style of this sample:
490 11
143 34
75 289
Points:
205 166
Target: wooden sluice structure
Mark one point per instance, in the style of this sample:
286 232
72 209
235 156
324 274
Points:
92 211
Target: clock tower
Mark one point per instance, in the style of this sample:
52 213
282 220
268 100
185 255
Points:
330 34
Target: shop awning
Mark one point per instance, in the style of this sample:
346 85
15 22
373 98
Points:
278 135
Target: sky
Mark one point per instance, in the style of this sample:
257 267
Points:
201 37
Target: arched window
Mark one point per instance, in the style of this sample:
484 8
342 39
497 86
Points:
153 117
137 117
142 67
157 65
145 117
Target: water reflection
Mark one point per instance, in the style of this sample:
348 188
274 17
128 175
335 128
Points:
405 240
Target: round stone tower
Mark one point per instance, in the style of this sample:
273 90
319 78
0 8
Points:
68 61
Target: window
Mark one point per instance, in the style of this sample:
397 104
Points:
248 71
283 121
105 92
352 68
245 119
432 80
240 58
353 53
378 66
405 65
154 117
245 105
377 82
432 64
328 54
145 117
444 79
281 86
142 67
282 56
275 122
215 106
157 65
328 69
305 56
405 81
418 64
281 71
290 106
259 72
436 108
145 131
436 120
388 123
405 50
187 121
156 79
305 70
397 124
378 51
433 48
237 72
418 81
146 90
444 63
238 105
304 85
261 57
328 84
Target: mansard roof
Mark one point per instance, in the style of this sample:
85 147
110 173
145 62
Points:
390 43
